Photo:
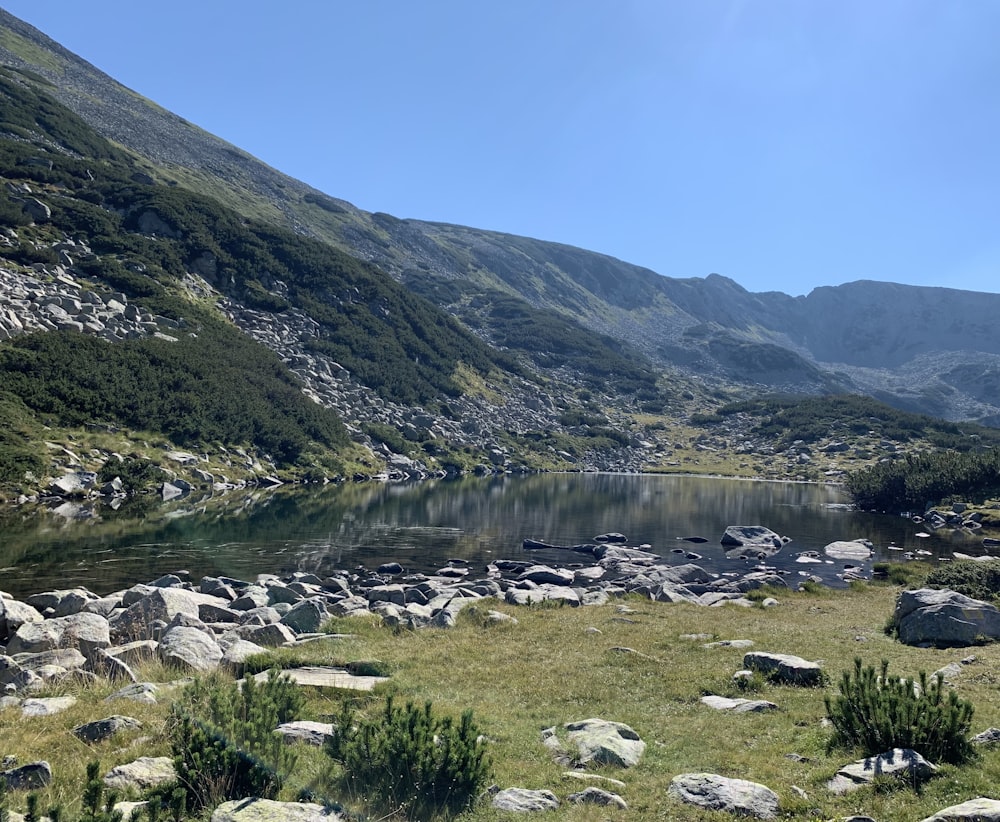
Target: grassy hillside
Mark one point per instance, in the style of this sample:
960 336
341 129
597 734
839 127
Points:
213 383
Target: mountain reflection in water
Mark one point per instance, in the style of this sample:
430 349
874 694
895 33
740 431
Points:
424 525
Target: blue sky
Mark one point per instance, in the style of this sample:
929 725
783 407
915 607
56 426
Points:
787 144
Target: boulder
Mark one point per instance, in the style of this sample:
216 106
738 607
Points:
899 762
270 810
944 618
102 729
237 652
144 773
522 800
47 706
14 614
191 649
738 706
138 692
158 605
786 668
859 549
307 616
751 540
605 743
28 777
720 793
598 796
544 575
975 810
311 733
61 603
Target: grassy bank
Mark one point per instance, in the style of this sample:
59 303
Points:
557 665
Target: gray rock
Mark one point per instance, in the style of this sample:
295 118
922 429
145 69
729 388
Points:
605 743
944 618
899 762
269 810
14 614
28 777
144 773
544 575
102 729
61 603
522 800
988 738
750 540
719 793
306 616
859 549
975 810
785 668
47 706
130 810
310 733
110 667
86 632
270 636
36 210
597 796
738 706
320 677
135 653
190 649
237 652
139 692
66 658
158 605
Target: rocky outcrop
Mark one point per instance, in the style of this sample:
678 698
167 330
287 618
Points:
981 809
786 668
944 618
718 793
269 810
900 763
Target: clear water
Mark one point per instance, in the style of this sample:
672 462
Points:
424 525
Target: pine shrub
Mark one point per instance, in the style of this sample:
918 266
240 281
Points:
223 740
876 713
409 758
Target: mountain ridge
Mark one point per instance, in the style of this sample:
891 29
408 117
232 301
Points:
526 354
833 329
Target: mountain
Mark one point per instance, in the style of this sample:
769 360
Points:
864 336
423 346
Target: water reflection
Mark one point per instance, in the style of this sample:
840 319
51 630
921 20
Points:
423 525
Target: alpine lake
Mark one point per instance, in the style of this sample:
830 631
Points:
427 525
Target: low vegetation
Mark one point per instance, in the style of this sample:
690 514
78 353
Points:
876 713
921 481
553 667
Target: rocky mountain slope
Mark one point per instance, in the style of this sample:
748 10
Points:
924 349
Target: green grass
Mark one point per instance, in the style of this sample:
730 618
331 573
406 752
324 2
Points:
551 668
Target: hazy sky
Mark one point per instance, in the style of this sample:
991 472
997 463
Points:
786 144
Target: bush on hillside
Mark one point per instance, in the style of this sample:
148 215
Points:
223 740
408 757
877 713
979 580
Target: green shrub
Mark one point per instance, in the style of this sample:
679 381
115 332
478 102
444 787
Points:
407 757
135 473
98 806
876 713
223 740
979 580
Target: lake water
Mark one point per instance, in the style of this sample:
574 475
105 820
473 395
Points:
424 525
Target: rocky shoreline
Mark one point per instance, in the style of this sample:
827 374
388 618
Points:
72 637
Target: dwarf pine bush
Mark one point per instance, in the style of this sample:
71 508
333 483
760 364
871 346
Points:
409 758
223 740
876 713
